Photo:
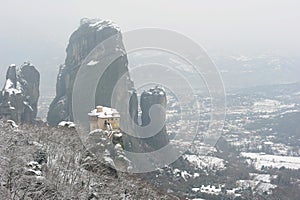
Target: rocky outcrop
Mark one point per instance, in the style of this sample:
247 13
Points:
155 96
108 151
82 42
20 94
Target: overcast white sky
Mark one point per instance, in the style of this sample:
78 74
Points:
38 30
205 20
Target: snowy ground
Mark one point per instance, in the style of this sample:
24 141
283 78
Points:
273 161
206 162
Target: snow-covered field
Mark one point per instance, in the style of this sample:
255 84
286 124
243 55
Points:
206 162
273 161
270 106
266 106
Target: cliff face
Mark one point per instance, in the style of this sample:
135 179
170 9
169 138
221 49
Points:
20 94
81 43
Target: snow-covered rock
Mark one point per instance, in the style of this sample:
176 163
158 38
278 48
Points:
66 124
20 94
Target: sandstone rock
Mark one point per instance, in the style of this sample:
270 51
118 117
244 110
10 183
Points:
19 97
82 42
152 97
90 33
155 96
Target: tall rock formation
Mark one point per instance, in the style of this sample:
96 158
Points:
90 33
152 97
84 41
20 94
155 96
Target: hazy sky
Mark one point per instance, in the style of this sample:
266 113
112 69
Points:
38 30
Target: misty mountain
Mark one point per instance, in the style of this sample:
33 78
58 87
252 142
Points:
253 70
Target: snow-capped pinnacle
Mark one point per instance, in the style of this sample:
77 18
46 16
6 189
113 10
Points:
99 23
28 63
